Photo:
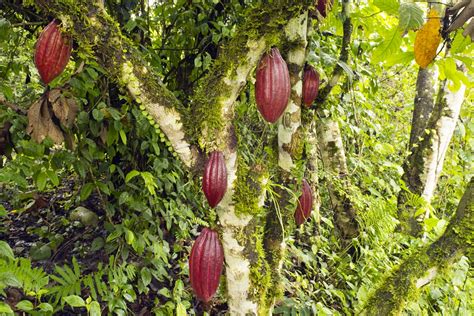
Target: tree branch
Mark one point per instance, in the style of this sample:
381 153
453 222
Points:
390 298
12 106
343 57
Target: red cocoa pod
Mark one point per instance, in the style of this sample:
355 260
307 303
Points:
310 85
272 86
52 52
305 204
214 180
205 264
324 6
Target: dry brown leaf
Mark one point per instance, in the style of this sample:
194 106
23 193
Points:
65 109
103 134
53 95
40 123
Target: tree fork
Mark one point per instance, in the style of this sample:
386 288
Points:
425 162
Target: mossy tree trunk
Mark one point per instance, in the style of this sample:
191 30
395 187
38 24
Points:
290 144
331 145
334 162
421 267
423 166
423 104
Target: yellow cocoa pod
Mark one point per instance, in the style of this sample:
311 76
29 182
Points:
427 40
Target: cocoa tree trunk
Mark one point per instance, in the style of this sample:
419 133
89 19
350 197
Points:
289 150
331 145
334 162
421 267
425 162
423 104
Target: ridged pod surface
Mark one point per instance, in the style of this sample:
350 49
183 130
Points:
214 180
427 40
305 204
205 264
310 85
52 52
324 6
272 86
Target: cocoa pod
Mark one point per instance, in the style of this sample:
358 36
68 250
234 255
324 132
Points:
310 85
427 40
324 6
205 264
272 86
305 204
214 180
52 52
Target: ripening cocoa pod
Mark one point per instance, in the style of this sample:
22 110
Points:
305 204
324 6
214 180
427 40
52 52
272 86
205 264
310 85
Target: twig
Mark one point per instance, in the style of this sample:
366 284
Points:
12 106
28 23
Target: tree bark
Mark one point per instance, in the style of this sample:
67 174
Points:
334 162
425 162
421 267
289 150
330 142
312 165
423 104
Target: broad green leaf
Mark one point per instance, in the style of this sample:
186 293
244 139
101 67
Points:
6 91
94 309
400 59
123 137
74 301
410 16
9 279
180 309
24 305
146 276
459 43
389 46
41 180
5 28
5 308
86 191
53 176
389 6
45 307
129 236
430 223
132 174
5 250
117 232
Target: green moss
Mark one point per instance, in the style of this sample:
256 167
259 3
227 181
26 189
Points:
206 119
248 188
